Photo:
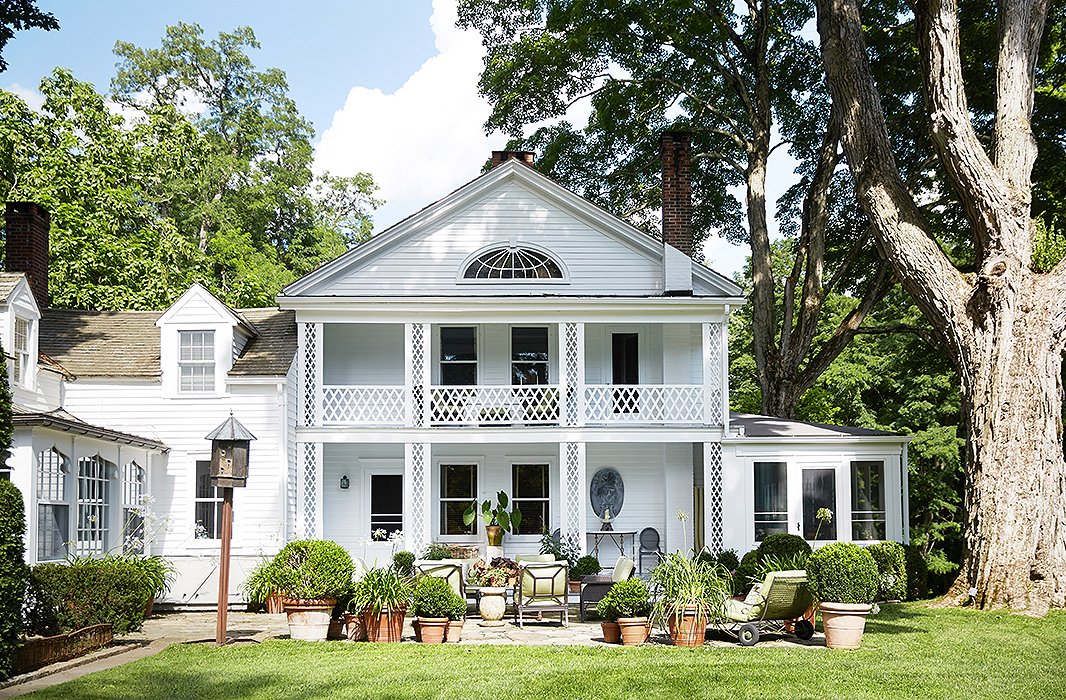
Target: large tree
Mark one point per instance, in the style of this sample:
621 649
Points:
18 15
1003 323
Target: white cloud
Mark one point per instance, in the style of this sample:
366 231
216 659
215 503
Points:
33 99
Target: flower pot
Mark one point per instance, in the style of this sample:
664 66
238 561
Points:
493 603
416 625
309 619
453 632
843 624
336 629
354 627
611 633
275 604
148 607
690 629
386 627
575 586
495 535
433 629
634 630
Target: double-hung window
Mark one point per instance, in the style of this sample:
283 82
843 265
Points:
458 355
53 513
94 505
771 499
20 370
133 483
529 356
196 361
458 488
207 504
868 500
529 489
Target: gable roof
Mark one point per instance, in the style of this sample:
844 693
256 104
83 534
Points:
8 282
511 171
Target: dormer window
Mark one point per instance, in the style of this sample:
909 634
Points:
21 368
513 263
196 361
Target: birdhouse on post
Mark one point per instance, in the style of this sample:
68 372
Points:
229 454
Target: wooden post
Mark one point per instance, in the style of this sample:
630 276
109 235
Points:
223 566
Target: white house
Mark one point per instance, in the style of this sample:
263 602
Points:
511 336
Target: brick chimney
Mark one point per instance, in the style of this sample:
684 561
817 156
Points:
676 154
26 249
500 157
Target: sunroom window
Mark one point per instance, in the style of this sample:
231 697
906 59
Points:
94 504
458 488
513 263
53 513
529 489
868 500
771 499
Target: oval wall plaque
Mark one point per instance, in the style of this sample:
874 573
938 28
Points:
607 491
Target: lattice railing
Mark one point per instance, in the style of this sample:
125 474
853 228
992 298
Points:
662 404
494 405
364 405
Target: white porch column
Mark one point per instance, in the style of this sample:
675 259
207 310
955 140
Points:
310 373
417 365
418 511
712 496
904 471
309 491
572 480
715 370
572 373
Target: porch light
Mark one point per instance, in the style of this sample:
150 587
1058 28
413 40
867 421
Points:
344 482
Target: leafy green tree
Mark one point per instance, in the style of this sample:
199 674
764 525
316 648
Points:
18 15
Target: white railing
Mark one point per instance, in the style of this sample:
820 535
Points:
607 404
536 404
364 405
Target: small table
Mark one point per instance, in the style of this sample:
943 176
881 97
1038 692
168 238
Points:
616 536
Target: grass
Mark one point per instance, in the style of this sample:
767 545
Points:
908 651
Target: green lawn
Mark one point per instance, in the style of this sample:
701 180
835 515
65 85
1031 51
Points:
909 651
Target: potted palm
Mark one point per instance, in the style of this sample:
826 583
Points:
382 597
631 603
497 520
690 593
433 602
843 578
311 574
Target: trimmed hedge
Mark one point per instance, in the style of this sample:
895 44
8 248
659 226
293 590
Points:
891 560
746 571
627 598
66 597
587 565
842 573
313 570
917 572
784 546
13 572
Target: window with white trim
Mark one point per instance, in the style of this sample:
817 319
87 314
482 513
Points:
529 356
53 511
94 503
530 495
133 488
513 263
196 361
458 355
21 366
771 499
868 500
207 504
458 488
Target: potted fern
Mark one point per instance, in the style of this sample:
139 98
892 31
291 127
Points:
843 578
382 597
311 574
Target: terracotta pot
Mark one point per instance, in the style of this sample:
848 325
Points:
611 633
309 619
575 586
843 624
689 631
495 535
354 627
148 607
790 625
416 625
433 629
634 630
336 629
275 604
386 627
453 632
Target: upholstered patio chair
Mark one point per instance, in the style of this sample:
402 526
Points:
782 596
541 588
649 544
534 559
450 571
594 588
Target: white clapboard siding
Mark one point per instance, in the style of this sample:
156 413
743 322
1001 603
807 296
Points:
430 262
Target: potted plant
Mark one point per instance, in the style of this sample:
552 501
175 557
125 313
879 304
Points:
261 587
843 578
690 593
433 602
456 617
311 574
585 566
497 520
381 597
156 573
607 611
631 603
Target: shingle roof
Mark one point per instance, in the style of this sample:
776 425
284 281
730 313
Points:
62 420
8 280
768 426
121 344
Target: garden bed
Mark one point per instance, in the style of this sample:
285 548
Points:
41 651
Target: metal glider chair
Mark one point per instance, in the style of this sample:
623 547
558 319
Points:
783 596
541 588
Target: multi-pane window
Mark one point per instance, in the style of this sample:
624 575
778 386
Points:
868 500
771 499
133 484
513 263
196 361
207 504
21 366
458 356
458 488
529 494
529 356
386 504
53 513
94 502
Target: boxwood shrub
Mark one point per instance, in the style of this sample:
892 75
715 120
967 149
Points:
842 573
66 597
13 572
587 565
891 560
784 546
404 562
627 598
313 570
433 597
746 571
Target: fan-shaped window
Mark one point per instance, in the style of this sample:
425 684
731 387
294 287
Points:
513 263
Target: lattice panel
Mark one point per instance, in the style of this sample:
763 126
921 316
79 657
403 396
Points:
573 493
665 404
364 405
309 490
713 367
418 372
418 478
309 364
572 361
714 489
535 404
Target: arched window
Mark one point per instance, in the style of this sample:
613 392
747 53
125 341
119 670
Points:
513 263
133 482
53 513
94 503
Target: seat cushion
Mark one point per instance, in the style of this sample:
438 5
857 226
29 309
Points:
738 611
534 558
623 569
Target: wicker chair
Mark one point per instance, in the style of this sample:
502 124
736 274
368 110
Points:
649 544
594 588
782 596
541 588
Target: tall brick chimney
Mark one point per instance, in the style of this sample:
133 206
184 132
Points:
27 245
676 154
500 157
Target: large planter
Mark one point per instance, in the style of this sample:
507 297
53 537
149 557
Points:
634 630
611 633
843 624
495 535
386 627
354 627
493 604
689 631
275 604
453 632
309 619
433 629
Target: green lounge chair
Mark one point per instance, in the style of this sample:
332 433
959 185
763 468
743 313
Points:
541 588
783 596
